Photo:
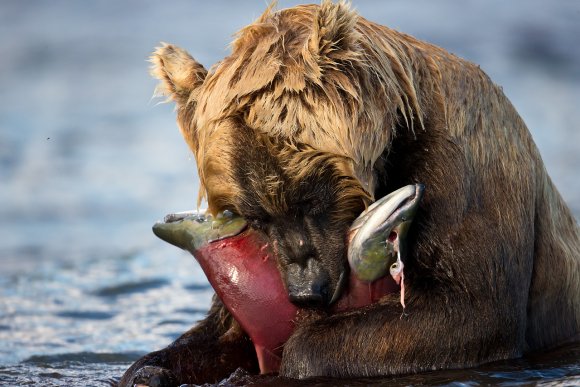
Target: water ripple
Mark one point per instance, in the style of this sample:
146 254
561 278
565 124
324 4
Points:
83 357
86 315
130 287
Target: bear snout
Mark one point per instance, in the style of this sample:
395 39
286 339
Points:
308 284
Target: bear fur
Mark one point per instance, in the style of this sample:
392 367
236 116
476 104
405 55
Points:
319 111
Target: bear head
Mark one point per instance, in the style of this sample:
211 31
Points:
286 132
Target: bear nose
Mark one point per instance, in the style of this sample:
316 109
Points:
307 286
306 298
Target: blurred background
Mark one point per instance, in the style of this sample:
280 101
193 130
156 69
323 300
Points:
89 161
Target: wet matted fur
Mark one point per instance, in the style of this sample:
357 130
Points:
319 111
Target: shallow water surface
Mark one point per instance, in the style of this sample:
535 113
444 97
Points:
88 162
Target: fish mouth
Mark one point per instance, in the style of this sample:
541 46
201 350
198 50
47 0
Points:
379 234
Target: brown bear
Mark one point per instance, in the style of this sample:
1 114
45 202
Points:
315 114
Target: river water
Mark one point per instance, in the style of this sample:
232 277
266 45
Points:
88 162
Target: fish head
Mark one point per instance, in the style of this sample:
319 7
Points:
379 235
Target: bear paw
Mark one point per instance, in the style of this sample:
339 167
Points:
154 377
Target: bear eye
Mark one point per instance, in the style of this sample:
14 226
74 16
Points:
256 224
311 207
317 209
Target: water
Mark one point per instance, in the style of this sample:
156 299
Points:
88 162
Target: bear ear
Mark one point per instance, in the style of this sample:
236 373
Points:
181 76
334 30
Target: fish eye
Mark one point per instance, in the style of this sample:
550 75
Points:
226 213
